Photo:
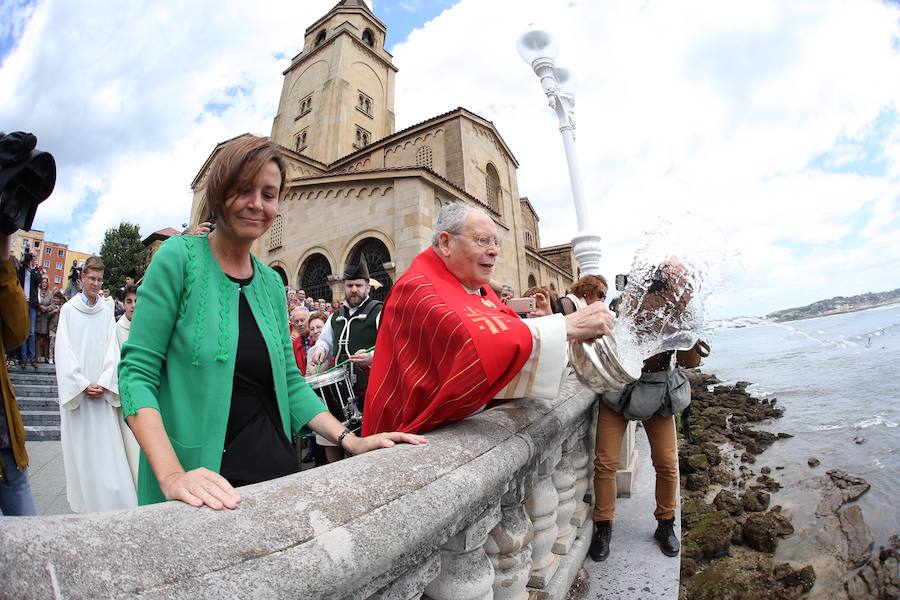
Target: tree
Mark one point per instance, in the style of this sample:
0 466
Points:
124 255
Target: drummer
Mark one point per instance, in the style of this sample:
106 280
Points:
349 337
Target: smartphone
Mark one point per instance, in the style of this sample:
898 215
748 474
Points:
521 306
621 282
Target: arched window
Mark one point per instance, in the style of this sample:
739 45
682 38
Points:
532 282
320 38
301 140
276 232
281 273
424 158
492 183
376 255
529 239
368 38
314 277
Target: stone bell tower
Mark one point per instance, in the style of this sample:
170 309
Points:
338 93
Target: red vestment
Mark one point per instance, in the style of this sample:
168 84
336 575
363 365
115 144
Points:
441 353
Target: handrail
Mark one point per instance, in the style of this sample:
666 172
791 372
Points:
388 524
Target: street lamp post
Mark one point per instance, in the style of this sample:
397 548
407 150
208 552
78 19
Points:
539 50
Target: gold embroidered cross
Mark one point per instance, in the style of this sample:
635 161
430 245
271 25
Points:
494 323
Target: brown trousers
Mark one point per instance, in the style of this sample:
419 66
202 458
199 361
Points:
610 431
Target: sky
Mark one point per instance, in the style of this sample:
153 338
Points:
766 132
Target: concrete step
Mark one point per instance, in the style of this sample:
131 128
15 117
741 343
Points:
40 417
26 376
29 390
38 403
41 433
42 368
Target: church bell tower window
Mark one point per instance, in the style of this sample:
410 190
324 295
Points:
364 104
363 138
301 140
320 37
492 183
367 38
424 158
305 105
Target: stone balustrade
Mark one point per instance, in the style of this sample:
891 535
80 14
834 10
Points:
492 507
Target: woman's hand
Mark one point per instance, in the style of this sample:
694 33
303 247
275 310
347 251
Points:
200 487
590 322
360 445
361 358
541 306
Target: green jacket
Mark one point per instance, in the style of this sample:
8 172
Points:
179 358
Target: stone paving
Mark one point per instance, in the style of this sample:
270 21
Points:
47 477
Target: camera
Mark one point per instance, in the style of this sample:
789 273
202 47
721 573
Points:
621 282
27 178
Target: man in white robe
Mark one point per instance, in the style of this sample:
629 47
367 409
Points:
97 473
110 377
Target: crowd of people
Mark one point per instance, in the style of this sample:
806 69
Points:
265 366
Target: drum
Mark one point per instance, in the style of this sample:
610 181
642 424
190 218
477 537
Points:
334 388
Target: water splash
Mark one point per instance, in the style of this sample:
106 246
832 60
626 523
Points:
681 263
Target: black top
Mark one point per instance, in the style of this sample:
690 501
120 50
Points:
256 448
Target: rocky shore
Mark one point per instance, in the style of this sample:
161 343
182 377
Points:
730 531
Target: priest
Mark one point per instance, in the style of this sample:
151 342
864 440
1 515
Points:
110 377
447 345
97 473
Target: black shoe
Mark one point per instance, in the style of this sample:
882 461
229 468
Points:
599 549
665 535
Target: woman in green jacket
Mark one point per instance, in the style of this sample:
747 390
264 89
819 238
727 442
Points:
208 381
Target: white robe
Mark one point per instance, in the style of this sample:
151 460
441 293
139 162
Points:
97 473
110 380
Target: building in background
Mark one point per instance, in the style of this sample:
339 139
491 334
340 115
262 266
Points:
153 241
53 260
358 189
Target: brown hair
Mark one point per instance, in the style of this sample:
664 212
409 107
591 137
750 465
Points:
590 285
318 314
239 161
94 263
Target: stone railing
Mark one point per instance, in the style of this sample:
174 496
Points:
490 507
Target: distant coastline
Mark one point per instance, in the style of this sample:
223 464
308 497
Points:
836 306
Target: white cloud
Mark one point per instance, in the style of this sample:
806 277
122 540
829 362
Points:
719 108
741 112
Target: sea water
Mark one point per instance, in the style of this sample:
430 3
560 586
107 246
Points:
838 379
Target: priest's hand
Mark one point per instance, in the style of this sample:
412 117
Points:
200 487
362 358
590 322
359 445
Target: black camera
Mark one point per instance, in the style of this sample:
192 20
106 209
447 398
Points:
27 178
621 282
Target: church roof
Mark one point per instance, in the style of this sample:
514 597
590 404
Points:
348 5
526 201
161 234
394 137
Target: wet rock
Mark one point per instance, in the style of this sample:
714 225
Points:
732 578
688 567
697 462
692 511
859 440
838 488
726 501
851 487
783 436
761 530
697 481
711 535
789 577
721 475
779 467
768 483
858 535
754 500
765 470
813 462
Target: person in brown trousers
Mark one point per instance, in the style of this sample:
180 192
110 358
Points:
656 303
15 492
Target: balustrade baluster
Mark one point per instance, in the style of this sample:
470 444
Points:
509 545
583 465
466 572
564 478
541 508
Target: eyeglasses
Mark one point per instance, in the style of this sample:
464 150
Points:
92 279
484 240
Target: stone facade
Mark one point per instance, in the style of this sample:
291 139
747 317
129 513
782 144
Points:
355 187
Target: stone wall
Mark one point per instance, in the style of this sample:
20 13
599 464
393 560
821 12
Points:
490 506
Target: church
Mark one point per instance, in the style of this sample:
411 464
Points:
358 189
